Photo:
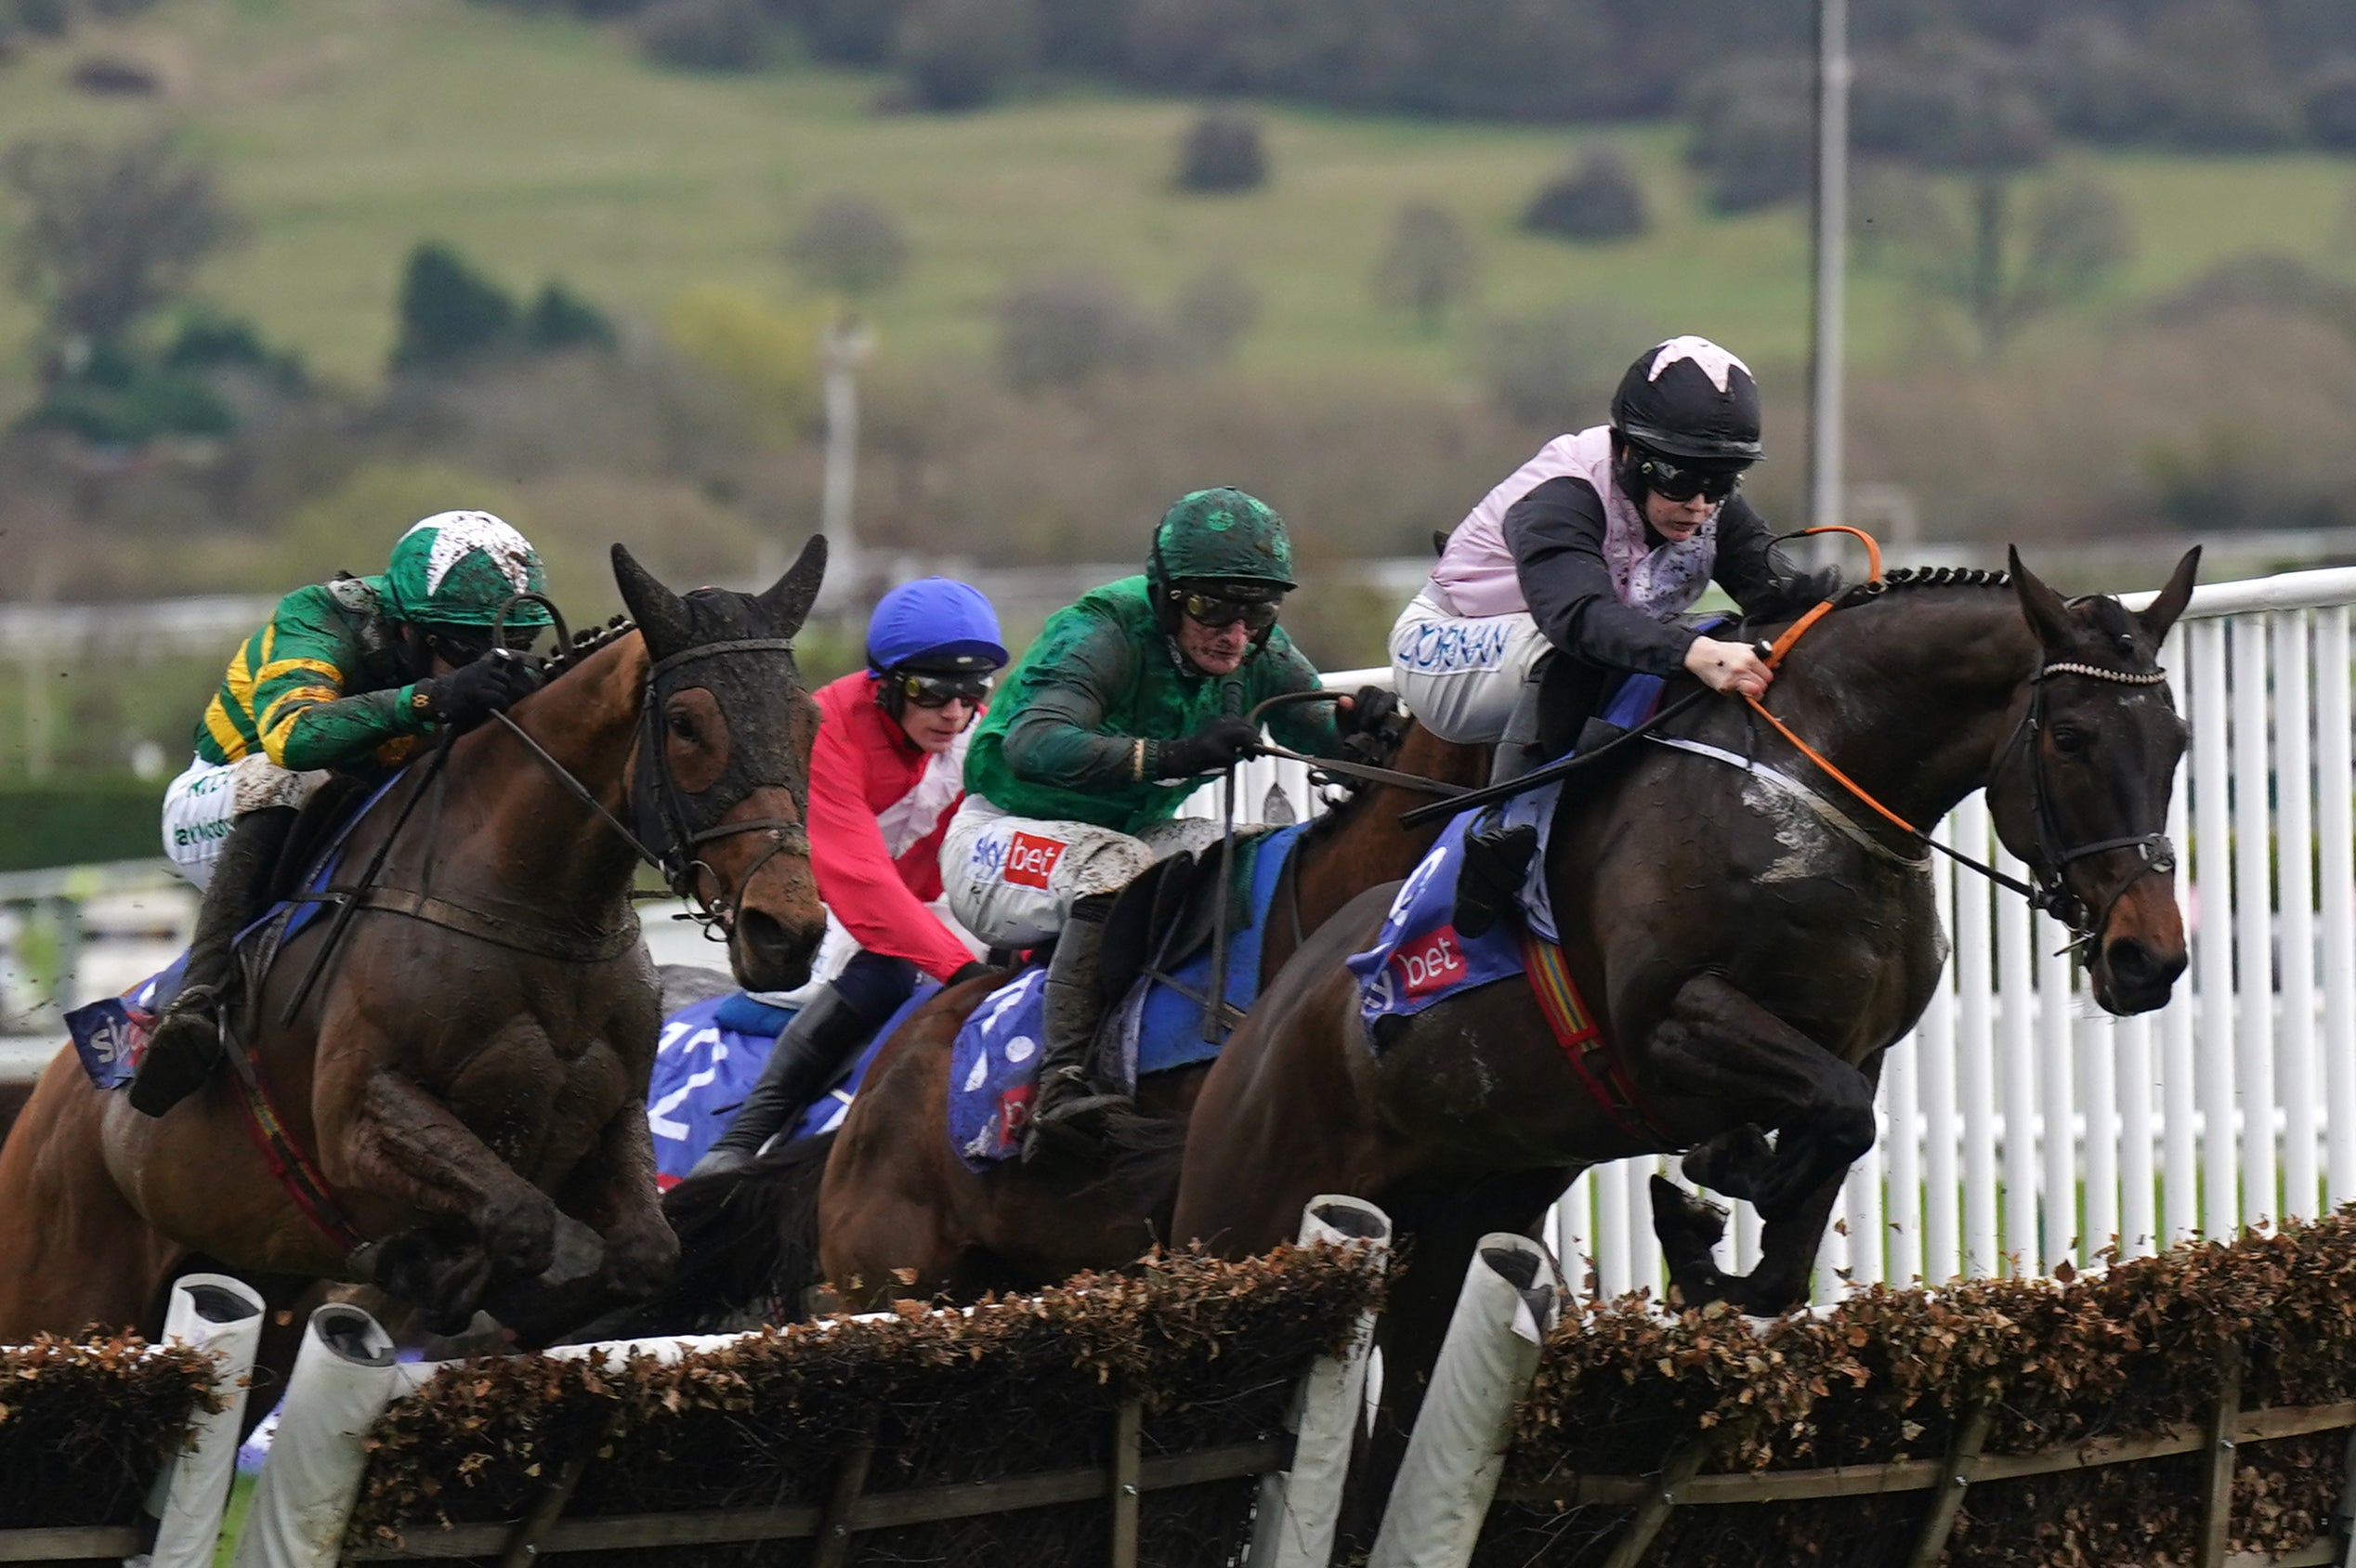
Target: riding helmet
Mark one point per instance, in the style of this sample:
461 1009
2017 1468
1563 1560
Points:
460 569
1221 535
1688 397
936 625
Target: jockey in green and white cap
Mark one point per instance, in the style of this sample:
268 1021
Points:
346 677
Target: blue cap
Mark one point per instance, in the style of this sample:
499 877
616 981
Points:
934 623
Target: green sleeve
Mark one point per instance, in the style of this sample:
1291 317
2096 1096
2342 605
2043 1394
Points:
1307 727
1054 739
303 709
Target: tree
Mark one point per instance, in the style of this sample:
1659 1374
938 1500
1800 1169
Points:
956 54
1429 267
108 233
449 312
1222 151
561 319
703 34
1064 329
2005 260
849 245
1598 200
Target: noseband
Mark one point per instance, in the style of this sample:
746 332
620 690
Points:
662 812
2052 894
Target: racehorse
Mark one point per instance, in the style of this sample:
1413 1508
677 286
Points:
1749 951
899 1215
471 1072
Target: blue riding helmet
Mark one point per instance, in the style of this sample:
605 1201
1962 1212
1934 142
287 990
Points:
934 623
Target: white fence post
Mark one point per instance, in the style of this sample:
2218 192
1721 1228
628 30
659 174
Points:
343 1379
1300 1506
1457 1451
223 1317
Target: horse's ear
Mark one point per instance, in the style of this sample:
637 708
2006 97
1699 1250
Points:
789 599
656 608
2048 616
2161 613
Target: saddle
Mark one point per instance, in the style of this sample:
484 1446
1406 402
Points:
1165 917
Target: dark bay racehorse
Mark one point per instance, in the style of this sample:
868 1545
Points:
473 1065
1749 958
900 1214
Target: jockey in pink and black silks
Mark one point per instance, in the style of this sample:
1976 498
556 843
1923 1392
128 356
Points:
886 776
1594 547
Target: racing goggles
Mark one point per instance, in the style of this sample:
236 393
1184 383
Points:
1672 482
1217 612
921 690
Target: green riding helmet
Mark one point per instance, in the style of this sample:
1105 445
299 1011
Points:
457 568
1221 535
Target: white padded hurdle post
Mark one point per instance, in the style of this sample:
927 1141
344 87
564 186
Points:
1300 1507
1457 1451
343 1379
222 1317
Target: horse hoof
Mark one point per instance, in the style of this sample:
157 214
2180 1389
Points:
521 1240
1679 1214
1729 1164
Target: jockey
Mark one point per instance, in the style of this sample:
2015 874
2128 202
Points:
346 678
1594 547
1132 697
886 772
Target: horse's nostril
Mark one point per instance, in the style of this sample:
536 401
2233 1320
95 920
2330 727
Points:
2135 966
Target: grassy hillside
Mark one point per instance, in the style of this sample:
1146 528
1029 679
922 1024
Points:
351 130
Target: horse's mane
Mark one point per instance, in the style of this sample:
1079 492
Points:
588 640
1926 577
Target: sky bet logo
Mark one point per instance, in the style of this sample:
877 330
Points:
1431 963
1029 859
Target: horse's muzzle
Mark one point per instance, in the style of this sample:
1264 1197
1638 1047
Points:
768 955
2136 976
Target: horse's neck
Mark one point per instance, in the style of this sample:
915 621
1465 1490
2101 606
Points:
528 836
1909 694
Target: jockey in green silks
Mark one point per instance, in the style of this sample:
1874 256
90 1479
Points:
347 676
1129 701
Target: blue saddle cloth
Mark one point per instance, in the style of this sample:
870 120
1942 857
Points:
994 1064
709 1057
110 1034
1420 958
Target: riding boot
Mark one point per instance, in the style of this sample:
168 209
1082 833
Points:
808 1055
1496 862
1069 1109
186 1042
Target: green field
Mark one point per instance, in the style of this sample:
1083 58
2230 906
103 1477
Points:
538 145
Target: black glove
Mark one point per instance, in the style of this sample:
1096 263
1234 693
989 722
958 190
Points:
1370 708
1207 750
474 692
965 972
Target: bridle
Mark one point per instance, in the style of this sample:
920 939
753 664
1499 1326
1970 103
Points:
661 810
2156 853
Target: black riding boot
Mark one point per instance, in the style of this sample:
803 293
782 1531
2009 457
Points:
1069 1111
186 1042
803 1062
1496 861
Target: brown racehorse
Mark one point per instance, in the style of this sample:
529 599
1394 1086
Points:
900 1214
472 1068
1749 958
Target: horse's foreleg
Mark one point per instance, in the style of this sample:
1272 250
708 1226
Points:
614 1192
400 1143
1689 1228
1718 1044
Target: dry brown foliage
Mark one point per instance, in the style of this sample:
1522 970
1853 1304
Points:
2130 1350
1019 1386
85 1427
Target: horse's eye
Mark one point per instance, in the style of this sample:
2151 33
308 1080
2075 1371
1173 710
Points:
683 725
2069 740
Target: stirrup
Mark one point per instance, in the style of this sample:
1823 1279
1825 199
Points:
1496 864
163 1080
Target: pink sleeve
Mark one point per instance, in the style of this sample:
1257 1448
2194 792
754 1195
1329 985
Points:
854 871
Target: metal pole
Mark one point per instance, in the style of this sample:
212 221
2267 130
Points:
843 349
1824 396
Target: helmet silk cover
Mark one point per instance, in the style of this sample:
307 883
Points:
457 568
1689 397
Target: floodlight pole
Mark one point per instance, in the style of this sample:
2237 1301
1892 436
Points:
1826 505
842 349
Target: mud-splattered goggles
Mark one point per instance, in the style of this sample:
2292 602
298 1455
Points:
938 691
1671 482
1217 612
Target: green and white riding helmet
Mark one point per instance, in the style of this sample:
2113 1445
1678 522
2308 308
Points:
459 568
1220 537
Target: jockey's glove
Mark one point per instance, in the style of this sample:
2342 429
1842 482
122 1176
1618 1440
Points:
473 692
1213 747
965 972
1370 709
